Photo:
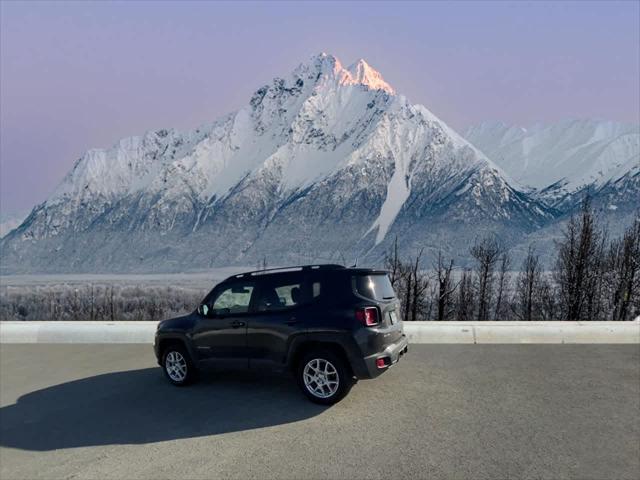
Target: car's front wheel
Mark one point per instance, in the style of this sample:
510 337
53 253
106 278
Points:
324 377
177 365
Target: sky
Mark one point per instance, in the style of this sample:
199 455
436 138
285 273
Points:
78 75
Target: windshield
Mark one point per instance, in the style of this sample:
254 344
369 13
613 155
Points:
375 287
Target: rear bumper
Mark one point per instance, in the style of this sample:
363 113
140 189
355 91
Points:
368 367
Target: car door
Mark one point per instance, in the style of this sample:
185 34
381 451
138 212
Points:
221 333
280 305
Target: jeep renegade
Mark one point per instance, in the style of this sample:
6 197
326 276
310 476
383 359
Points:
327 324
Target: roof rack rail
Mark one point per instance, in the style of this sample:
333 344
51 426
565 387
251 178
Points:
325 266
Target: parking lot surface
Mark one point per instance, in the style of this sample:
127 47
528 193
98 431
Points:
445 411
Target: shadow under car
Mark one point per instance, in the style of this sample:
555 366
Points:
140 406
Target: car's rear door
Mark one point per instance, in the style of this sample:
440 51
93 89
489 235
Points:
282 304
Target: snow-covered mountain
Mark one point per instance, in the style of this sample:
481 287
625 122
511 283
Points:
563 161
325 164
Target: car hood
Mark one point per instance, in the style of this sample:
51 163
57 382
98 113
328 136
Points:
184 322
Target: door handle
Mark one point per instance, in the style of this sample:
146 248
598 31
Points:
292 321
238 324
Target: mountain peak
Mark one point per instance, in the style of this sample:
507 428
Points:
364 74
359 73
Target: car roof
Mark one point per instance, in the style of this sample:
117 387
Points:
303 268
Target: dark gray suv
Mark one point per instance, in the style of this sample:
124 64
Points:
328 324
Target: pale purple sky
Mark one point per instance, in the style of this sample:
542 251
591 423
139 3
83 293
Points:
79 75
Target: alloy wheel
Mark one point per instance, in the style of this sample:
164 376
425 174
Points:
176 366
321 378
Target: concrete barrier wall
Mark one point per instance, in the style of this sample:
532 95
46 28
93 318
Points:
77 332
523 332
418 332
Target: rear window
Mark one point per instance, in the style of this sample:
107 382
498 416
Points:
375 287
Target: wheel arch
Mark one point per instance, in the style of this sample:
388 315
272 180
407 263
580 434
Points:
304 345
168 340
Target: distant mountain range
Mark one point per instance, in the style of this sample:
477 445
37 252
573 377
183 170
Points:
326 164
562 162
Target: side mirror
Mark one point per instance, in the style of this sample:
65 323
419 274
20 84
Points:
203 310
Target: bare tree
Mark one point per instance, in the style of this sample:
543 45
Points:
409 283
420 285
505 263
111 305
446 288
465 304
406 287
393 264
486 253
92 301
528 286
400 275
577 263
623 265
594 285
547 298
431 300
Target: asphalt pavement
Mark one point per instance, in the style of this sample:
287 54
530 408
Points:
445 411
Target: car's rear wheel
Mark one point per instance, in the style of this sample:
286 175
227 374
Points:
324 377
177 365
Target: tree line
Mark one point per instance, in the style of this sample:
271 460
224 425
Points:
593 277
94 302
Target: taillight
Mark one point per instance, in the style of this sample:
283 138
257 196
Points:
368 316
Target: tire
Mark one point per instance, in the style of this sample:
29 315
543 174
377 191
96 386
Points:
311 370
178 366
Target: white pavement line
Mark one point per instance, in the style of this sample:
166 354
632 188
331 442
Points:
417 332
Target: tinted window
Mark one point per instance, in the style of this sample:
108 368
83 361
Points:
283 293
375 287
233 299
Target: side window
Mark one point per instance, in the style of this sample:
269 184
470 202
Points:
283 293
234 299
